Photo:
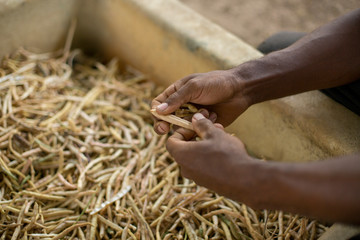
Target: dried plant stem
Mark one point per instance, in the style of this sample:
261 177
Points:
79 159
174 120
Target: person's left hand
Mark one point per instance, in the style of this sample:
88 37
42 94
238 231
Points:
218 161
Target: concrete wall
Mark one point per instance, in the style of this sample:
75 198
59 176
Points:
36 25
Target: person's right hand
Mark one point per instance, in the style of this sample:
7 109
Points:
220 92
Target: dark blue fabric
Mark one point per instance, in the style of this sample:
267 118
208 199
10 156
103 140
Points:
348 95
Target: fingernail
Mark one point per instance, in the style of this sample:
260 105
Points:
213 117
204 112
162 107
198 116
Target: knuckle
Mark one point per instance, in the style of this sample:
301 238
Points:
173 98
204 125
217 133
169 146
209 135
189 77
194 75
194 84
154 103
213 132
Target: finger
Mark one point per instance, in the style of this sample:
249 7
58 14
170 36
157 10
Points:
188 134
182 95
176 143
219 126
204 127
182 134
213 117
161 98
203 111
175 100
161 127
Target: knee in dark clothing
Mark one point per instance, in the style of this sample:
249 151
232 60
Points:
348 95
279 41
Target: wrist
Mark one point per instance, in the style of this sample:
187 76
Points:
266 78
256 186
251 186
249 81
241 87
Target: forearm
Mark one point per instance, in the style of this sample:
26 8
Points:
327 57
328 190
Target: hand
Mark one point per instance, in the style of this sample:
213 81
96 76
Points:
219 91
327 190
219 161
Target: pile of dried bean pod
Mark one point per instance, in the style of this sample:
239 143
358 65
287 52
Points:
79 160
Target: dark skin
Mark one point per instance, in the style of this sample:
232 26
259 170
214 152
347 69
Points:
327 190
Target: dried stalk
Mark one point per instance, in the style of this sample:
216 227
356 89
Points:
173 119
79 158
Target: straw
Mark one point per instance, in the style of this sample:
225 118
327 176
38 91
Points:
79 159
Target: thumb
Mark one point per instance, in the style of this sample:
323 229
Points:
175 100
204 127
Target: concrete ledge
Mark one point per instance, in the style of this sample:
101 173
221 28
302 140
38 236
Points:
164 39
167 41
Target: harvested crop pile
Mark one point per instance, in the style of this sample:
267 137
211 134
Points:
79 160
